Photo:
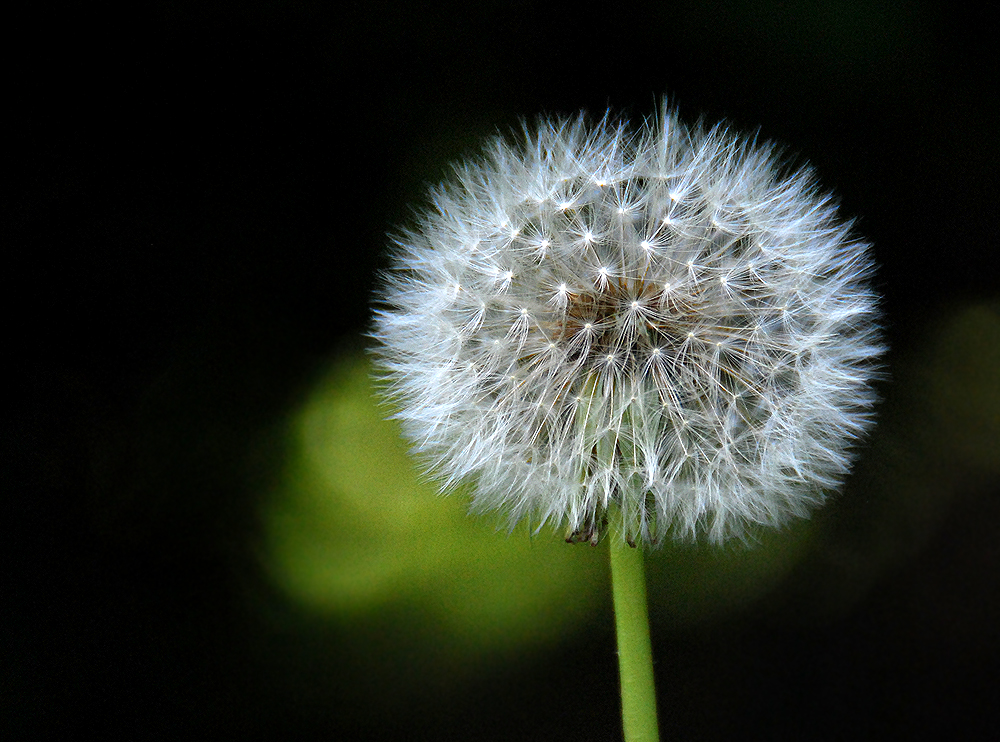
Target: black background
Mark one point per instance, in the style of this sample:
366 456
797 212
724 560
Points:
196 198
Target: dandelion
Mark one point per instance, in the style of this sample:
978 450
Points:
663 322
663 326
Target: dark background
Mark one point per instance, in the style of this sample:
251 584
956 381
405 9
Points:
196 198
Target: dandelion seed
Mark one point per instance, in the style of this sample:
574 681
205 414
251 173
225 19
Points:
705 365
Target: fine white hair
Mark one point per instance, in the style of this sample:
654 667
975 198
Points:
660 319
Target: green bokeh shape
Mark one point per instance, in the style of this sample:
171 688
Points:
354 535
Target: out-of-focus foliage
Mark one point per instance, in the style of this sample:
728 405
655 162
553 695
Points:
352 532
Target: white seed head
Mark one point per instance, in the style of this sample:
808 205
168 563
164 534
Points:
661 320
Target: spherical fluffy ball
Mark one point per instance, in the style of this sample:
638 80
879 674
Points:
662 320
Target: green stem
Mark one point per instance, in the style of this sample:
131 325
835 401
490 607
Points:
635 655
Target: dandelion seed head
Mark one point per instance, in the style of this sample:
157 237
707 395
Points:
704 363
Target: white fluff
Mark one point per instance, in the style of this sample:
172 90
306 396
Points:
659 320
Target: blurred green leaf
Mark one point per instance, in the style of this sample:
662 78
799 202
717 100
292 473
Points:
352 531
